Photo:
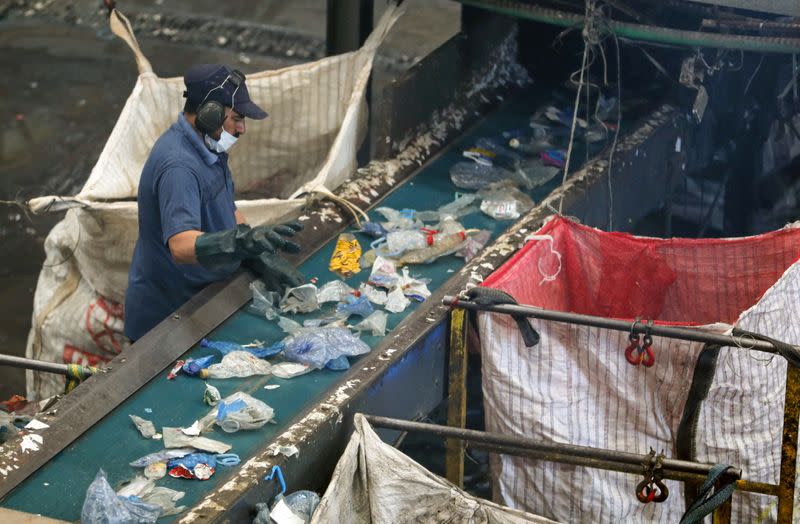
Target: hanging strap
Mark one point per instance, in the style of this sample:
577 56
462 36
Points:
121 27
490 296
706 502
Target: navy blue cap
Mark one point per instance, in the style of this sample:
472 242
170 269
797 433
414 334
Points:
219 82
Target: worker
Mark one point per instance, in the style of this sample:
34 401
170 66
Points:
190 232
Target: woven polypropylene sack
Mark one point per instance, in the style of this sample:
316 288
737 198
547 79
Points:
577 387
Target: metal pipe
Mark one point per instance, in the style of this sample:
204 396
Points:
36 365
646 33
581 455
693 334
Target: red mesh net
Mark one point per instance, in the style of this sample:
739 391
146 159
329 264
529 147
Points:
682 281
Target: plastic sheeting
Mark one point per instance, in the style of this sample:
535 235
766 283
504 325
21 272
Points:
577 387
317 119
375 483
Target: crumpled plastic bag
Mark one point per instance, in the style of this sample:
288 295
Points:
359 306
397 301
236 412
376 296
384 273
160 456
166 499
413 288
103 506
301 299
504 202
289 369
288 325
375 324
316 347
333 291
239 364
301 504
145 427
227 347
146 491
398 219
264 301
474 244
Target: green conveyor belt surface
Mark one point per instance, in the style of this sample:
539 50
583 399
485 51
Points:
57 490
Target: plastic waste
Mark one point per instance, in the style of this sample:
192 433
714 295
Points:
474 244
264 301
195 366
504 202
398 219
333 291
537 173
288 325
289 369
301 299
339 363
239 364
367 259
375 324
103 506
344 260
160 456
227 347
444 244
359 306
414 288
156 470
145 427
397 301
200 465
460 206
176 438
398 242
376 296
373 229
302 505
384 273
135 487
316 347
211 395
165 498
553 157
471 175
237 412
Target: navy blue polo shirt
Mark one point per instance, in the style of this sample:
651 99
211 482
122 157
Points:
184 186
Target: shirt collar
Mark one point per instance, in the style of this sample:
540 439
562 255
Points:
208 156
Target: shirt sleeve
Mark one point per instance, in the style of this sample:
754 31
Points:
179 202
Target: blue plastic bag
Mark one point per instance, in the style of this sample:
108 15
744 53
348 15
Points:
317 347
226 347
354 306
338 364
191 460
194 366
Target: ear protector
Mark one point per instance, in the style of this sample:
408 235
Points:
210 114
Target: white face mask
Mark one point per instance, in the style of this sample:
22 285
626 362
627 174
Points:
225 142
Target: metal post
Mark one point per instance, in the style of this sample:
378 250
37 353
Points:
696 335
36 365
791 412
457 395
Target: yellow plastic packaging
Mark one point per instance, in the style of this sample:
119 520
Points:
346 255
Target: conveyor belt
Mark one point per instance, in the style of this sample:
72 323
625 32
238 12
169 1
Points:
57 489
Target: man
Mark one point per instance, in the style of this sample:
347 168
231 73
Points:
190 232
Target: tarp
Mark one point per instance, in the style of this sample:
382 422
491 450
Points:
375 483
577 387
317 116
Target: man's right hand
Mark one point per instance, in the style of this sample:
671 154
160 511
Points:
218 250
275 271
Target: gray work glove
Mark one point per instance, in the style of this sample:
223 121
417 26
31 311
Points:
219 250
